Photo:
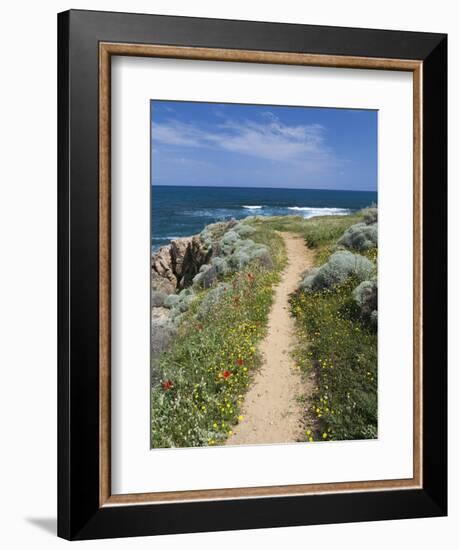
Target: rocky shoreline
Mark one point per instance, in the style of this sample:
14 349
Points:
188 265
174 266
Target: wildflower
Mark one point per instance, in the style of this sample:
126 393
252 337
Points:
230 432
239 362
240 417
324 435
226 374
215 425
308 432
167 385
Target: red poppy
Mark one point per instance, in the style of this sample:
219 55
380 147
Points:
167 385
239 362
226 374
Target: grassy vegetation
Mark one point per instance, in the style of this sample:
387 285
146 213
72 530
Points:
335 341
317 232
203 376
343 350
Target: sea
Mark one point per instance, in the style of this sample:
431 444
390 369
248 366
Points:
182 211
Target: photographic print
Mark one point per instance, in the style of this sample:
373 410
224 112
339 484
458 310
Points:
264 280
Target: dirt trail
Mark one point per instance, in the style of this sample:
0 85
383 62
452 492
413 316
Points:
271 411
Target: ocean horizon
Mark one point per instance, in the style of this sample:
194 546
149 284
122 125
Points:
181 211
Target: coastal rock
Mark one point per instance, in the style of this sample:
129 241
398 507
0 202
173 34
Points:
174 266
158 313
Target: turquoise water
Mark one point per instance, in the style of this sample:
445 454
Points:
182 211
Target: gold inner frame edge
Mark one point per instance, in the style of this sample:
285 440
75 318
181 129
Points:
106 51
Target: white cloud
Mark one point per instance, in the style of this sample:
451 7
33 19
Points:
270 140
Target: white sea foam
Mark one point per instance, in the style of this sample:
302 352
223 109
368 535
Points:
310 211
252 207
318 209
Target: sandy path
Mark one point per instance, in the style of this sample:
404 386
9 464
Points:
271 411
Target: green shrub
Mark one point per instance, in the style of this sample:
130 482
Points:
360 237
341 265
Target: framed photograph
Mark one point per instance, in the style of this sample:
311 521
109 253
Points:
252 274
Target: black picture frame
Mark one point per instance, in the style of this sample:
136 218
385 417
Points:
80 515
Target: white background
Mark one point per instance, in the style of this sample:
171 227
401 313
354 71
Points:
28 271
136 468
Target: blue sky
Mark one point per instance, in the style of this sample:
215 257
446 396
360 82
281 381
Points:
233 145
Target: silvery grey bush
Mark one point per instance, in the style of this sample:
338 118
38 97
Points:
366 296
370 215
230 237
179 302
340 266
162 333
211 300
265 260
360 237
209 277
213 233
246 251
221 265
158 298
171 301
244 230
238 259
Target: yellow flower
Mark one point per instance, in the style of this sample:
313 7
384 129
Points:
324 435
240 417
308 432
311 439
230 432
215 425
